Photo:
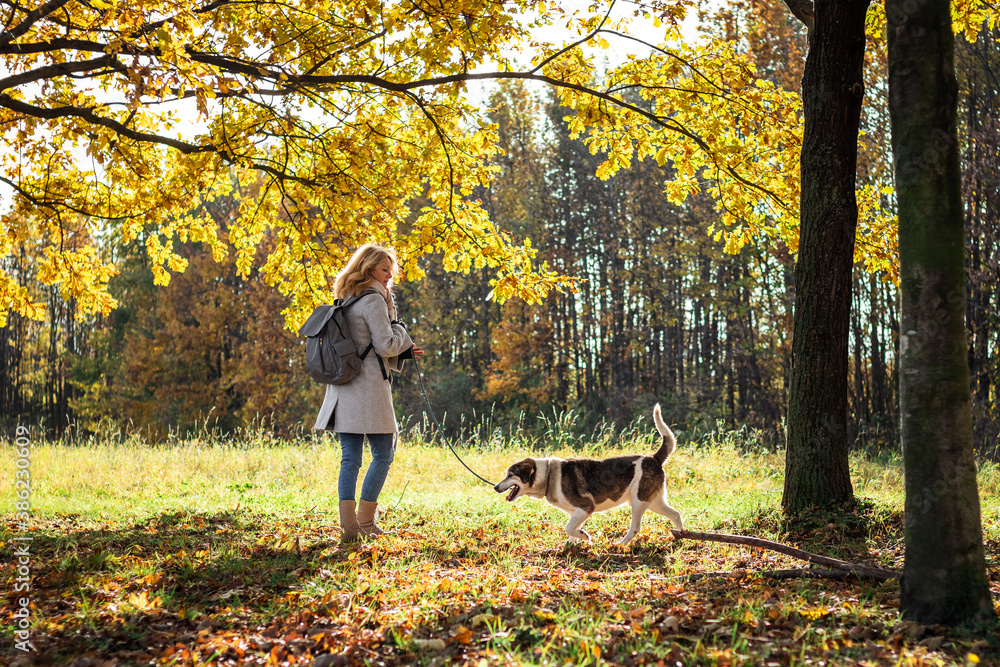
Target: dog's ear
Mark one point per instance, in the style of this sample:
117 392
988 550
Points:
526 470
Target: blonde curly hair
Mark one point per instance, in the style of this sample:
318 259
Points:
357 275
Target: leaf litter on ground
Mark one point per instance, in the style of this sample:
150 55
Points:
247 588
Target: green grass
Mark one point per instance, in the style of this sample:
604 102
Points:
216 551
131 479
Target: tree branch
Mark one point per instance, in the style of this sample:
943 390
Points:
569 47
841 568
298 82
797 573
60 69
802 10
289 84
59 44
29 20
91 117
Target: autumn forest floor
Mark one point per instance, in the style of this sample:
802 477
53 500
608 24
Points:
225 552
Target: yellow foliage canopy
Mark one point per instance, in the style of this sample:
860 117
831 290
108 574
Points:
331 119
344 111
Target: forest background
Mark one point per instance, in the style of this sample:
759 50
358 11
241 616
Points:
663 313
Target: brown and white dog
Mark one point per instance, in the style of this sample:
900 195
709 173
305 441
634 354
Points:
581 487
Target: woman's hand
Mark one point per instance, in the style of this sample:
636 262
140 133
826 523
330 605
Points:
416 352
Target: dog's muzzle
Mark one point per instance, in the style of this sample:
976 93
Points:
510 484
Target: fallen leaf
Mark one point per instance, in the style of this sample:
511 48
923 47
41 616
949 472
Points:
482 619
430 644
462 635
544 615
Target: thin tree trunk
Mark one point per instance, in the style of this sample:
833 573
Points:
10 368
944 576
816 462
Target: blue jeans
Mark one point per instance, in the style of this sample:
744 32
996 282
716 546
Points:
352 447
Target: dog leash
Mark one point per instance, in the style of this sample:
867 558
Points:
430 410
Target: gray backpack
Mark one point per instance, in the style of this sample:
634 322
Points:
332 357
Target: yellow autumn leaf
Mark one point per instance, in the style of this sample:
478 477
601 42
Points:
142 602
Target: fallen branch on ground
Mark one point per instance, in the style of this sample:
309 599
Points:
839 569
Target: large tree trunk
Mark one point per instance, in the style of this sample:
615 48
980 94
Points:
816 465
944 576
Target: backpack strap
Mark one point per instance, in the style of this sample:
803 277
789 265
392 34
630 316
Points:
381 364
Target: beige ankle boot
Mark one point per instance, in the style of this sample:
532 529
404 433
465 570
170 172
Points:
366 519
348 521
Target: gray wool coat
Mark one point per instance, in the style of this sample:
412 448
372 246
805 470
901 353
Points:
364 405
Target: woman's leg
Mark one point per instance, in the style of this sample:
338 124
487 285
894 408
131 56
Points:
383 448
383 451
351 447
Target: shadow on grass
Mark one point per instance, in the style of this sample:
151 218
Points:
130 591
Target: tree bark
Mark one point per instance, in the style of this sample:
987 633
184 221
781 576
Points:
816 461
944 576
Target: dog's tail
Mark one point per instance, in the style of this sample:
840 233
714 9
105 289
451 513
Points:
669 441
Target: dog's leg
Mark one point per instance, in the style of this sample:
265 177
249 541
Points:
660 506
574 527
637 511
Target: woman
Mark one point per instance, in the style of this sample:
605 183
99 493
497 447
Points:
363 406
